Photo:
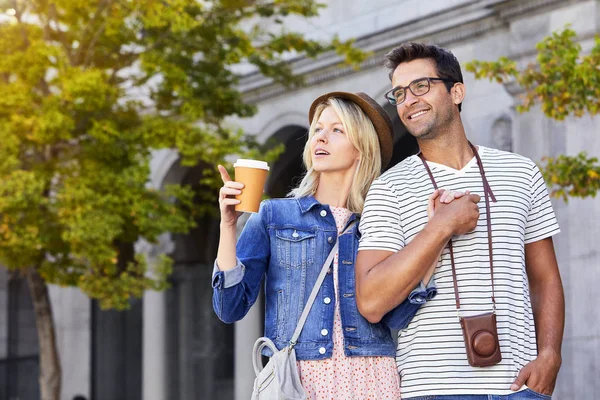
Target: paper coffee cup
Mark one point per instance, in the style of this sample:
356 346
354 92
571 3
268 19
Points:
253 174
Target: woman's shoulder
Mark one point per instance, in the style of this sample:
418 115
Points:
288 208
281 202
280 205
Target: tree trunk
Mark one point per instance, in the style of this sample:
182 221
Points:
50 371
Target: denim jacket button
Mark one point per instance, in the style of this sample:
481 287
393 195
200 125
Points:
324 332
322 350
323 213
329 271
326 300
329 239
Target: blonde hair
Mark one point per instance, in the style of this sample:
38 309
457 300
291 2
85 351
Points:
362 135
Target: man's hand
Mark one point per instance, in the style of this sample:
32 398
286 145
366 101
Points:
540 374
548 305
460 216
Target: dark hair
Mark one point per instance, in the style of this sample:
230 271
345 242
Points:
445 62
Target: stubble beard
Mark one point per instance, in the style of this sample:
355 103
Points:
430 131
434 129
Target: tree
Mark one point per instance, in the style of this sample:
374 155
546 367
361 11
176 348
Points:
565 82
77 136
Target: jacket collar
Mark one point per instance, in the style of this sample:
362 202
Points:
306 203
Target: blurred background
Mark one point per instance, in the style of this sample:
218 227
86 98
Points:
168 344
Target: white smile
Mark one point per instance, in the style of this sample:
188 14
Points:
321 153
418 114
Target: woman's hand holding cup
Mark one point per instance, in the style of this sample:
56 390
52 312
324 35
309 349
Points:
227 202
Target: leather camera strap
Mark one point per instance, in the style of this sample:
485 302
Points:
488 195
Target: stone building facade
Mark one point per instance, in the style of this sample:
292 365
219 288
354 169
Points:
171 346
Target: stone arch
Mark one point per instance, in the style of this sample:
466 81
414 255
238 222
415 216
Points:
280 122
165 168
287 171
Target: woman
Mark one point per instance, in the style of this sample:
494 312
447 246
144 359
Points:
340 354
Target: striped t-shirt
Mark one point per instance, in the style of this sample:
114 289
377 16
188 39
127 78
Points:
431 355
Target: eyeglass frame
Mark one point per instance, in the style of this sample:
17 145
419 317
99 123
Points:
392 99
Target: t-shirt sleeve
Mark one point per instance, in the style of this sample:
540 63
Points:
380 223
541 220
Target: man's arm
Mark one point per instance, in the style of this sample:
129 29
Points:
384 278
548 303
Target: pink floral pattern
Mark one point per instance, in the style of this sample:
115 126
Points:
348 378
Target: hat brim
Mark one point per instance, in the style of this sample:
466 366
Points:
378 116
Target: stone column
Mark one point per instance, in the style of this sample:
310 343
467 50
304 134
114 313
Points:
186 358
154 385
154 328
72 312
246 332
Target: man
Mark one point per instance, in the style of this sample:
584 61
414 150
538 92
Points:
398 241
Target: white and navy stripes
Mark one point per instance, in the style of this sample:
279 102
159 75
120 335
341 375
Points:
431 355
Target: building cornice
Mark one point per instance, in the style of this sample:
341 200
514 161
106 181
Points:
470 20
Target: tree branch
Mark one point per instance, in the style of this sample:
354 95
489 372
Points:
18 15
53 16
102 6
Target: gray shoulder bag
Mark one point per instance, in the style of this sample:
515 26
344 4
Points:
279 379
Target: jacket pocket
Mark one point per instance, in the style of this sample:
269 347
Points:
295 248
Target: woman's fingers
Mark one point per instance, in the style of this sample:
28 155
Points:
431 203
447 196
444 196
224 174
230 202
234 185
230 188
226 197
229 191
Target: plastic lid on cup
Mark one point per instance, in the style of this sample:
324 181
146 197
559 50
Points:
241 162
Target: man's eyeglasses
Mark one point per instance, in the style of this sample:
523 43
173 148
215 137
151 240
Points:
418 87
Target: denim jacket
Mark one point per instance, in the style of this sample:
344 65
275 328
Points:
287 243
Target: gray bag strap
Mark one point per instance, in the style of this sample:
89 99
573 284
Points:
263 342
315 290
259 345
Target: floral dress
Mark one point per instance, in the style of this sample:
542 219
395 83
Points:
342 377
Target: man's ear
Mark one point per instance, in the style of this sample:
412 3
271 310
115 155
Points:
458 92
